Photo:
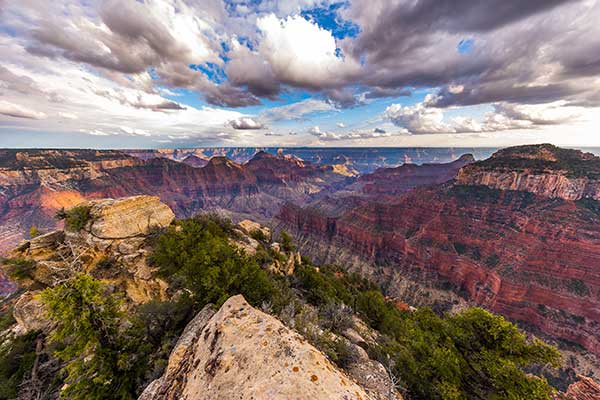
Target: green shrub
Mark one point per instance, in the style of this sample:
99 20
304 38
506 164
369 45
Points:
75 218
492 260
16 361
6 319
34 231
88 340
578 287
473 354
336 317
287 242
19 268
259 235
196 255
337 349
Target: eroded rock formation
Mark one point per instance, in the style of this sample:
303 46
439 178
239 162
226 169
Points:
243 353
545 170
523 254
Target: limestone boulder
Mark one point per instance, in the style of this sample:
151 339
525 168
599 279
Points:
47 241
251 226
128 217
243 353
29 313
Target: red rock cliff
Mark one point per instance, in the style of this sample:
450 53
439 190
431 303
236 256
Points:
531 258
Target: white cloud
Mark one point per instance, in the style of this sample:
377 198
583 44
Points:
350 136
417 118
300 52
296 111
423 118
67 115
85 101
245 123
18 111
340 125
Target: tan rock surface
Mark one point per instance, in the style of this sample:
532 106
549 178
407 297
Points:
128 217
251 226
29 313
243 353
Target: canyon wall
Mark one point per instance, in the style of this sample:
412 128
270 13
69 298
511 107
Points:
532 255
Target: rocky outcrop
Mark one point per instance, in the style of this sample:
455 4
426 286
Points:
29 313
195 161
545 170
531 258
251 226
112 247
128 217
584 389
243 353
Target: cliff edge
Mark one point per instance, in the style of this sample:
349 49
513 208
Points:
243 353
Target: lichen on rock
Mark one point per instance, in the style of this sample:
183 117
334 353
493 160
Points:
243 353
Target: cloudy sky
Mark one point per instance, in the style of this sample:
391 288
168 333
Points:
173 73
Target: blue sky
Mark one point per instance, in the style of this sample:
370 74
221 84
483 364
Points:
167 73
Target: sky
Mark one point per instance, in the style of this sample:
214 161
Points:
193 73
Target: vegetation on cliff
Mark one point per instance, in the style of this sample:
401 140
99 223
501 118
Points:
543 158
105 352
75 218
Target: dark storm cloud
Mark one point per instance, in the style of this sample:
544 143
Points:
513 44
407 25
378 92
492 92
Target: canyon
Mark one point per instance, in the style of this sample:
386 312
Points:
35 184
530 254
517 233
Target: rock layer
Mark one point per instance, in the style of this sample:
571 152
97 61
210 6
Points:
242 353
34 184
545 170
584 389
128 217
528 255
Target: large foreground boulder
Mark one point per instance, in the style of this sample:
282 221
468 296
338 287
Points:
128 217
242 353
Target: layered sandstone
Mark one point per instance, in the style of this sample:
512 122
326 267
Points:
128 217
545 170
37 183
530 257
402 179
584 389
243 353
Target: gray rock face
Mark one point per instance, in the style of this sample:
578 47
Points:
243 353
29 313
48 240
